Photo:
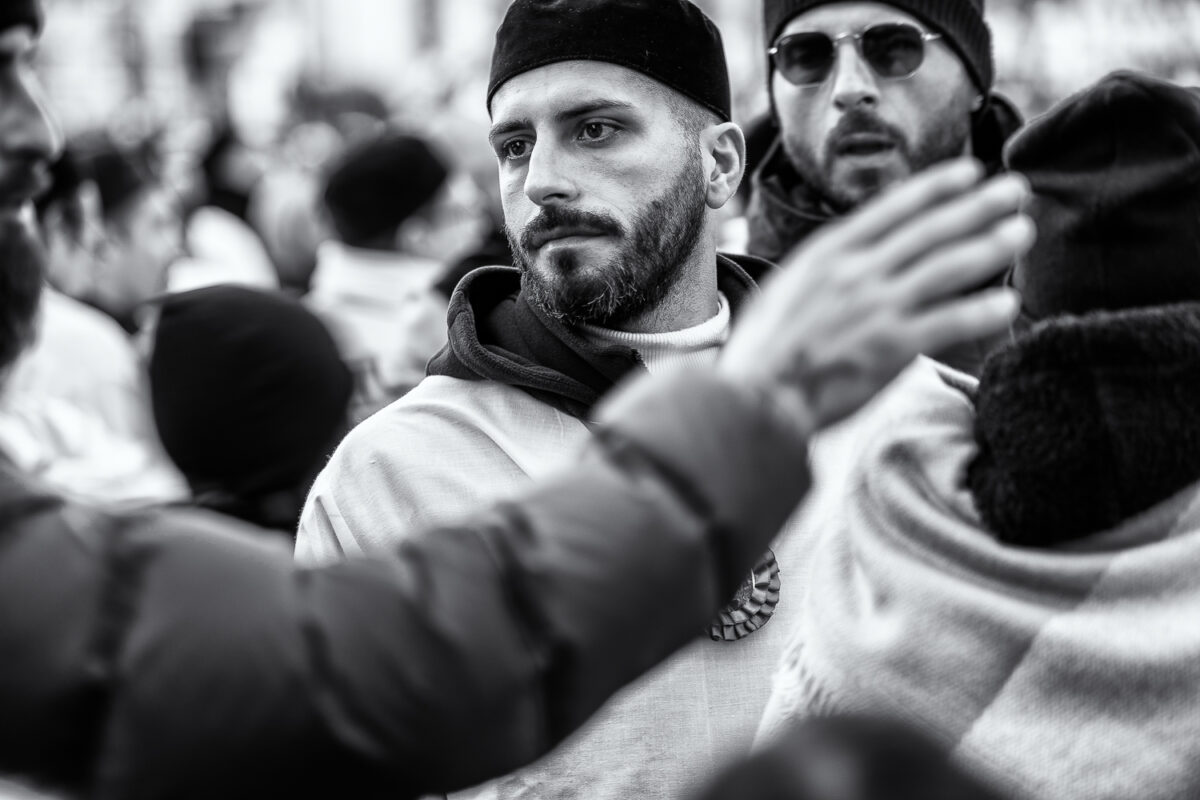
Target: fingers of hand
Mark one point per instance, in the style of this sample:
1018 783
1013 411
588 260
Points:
956 220
909 200
965 263
975 316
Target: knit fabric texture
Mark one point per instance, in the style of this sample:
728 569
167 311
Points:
671 41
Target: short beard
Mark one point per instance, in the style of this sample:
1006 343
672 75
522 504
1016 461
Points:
637 278
948 140
22 265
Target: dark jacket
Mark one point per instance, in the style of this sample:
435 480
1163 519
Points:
167 655
496 334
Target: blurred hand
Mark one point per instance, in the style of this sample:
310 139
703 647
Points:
855 303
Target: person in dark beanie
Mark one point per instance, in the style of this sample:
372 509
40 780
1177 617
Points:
1027 546
611 127
864 95
250 396
399 212
166 654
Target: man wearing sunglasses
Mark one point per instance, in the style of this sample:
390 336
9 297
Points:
864 95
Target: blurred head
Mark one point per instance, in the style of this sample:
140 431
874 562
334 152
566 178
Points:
849 758
250 395
143 230
395 192
72 227
610 123
1115 179
29 142
868 93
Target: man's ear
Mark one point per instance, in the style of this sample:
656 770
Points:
724 152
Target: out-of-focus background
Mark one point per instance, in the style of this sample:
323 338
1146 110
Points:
125 63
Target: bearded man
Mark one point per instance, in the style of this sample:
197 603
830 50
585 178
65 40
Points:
865 94
615 152
611 126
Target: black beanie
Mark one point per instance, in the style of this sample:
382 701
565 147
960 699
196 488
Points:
380 183
20 12
1115 173
959 21
248 388
671 41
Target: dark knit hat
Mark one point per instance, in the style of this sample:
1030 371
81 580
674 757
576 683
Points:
671 41
1115 173
959 21
380 183
20 12
248 388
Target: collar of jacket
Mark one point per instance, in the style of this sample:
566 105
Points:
785 211
1086 422
496 334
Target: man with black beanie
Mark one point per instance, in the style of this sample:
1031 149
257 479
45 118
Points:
865 94
611 126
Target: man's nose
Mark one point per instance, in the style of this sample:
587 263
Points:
27 130
548 179
854 82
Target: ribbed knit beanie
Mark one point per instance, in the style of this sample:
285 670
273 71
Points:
959 21
248 388
380 183
671 41
20 12
1115 173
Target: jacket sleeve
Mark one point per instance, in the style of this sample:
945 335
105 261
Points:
228 672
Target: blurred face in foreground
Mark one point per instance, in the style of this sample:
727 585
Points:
28 143
856 131
603 187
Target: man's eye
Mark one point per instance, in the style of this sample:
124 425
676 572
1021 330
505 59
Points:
516 149
596 131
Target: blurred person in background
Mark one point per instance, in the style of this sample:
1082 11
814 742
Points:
75 411
142 232
250 396
286 208
161 654
398 212
1012 563
221 169
864 94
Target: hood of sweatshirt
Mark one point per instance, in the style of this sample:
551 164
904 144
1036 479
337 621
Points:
496 334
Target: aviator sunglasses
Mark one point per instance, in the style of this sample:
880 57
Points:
895 50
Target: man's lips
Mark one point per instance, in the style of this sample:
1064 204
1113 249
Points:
539 240
864 144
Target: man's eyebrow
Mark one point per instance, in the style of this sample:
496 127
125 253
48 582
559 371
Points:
572 112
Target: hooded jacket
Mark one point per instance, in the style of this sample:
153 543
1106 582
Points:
1057 656
508 400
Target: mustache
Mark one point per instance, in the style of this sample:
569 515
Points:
552 217
858 121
